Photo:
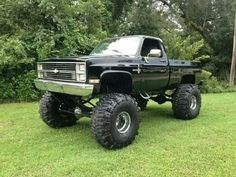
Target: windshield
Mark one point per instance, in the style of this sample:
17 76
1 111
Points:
118 46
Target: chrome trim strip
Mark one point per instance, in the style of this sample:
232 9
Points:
59 71
40 62
78 89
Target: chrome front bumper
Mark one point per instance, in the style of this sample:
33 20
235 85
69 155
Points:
64 87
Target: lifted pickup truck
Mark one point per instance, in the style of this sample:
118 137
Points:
124 72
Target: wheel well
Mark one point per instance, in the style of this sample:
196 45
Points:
188 79
116 83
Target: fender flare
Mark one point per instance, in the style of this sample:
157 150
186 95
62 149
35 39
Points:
115 71
106 80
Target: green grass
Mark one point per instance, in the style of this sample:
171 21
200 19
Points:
205 146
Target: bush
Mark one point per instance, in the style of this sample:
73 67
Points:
20 88
184 47
25 89
51 29
212 85
6 90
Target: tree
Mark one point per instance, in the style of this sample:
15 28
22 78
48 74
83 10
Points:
142 18
35 30
213 21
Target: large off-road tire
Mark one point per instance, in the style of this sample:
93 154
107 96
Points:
142 103
49 110
186 102
115 121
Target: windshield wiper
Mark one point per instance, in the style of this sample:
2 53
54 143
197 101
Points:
117 51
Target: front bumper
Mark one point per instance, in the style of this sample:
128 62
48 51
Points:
78 89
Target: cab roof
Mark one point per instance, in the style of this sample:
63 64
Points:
141 36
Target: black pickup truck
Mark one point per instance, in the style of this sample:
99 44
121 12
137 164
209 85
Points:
124 73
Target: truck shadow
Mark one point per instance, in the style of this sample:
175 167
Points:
152 113
157 112
81 135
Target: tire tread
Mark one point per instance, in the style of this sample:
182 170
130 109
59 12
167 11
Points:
101 120
180 103
51 116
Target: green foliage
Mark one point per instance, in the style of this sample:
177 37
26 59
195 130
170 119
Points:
25 89
141 19
184 47
7 90
213 20
212 85
19 88
34 30
55 28
13 53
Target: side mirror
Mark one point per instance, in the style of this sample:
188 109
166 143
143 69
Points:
155 53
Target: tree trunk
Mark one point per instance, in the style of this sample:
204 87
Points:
232 71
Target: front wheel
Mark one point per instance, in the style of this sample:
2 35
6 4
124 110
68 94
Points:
50 113
115 121
186 102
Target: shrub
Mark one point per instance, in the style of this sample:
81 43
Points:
6 90
25 89
20 88
212 85
184 47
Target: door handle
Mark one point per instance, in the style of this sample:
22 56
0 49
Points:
163 60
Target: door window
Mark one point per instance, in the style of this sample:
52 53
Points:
148 45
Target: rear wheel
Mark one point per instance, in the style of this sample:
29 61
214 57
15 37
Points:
50 112
186 102
115 121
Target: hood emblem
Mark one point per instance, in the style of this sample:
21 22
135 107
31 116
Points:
56 71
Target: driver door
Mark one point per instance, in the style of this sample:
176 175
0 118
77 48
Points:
155 70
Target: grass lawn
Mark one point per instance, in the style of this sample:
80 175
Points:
165 146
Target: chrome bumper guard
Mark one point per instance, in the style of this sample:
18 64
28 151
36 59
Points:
78 89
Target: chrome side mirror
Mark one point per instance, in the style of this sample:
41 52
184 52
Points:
155 53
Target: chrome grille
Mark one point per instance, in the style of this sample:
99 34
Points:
59 76
63 71
59 66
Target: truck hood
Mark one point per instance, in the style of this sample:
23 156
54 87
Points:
89 58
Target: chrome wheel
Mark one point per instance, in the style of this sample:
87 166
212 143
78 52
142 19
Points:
123 122
193 102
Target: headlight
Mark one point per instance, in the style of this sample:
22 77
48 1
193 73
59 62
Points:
80 72
40 75
40 67
82 67
81 77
